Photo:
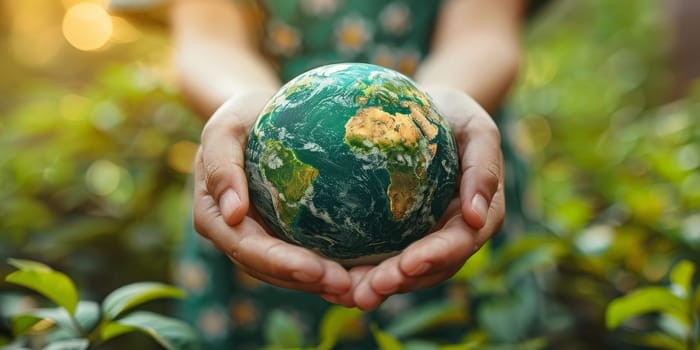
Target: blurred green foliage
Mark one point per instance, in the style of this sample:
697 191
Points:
78 324
95 148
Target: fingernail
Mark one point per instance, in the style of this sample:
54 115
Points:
303 277
420 269
480 207
229 202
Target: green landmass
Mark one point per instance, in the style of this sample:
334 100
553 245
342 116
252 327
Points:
290 177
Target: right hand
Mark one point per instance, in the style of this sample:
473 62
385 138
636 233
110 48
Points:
222 211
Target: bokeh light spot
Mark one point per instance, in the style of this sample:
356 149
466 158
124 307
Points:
87 26
70 3
34 38
74 107
532 134
107 116
102 177
181 156
123 31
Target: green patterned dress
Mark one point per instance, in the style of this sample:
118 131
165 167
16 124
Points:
231 309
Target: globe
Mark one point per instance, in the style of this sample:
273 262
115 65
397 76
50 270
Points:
352 161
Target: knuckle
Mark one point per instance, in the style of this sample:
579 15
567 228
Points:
212 172
485 127
210 128
276 254
493 171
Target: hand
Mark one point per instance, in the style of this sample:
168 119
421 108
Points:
222 212
470 220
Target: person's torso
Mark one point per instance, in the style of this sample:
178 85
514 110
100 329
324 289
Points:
301 34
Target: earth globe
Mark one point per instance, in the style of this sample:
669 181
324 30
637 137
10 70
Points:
352 161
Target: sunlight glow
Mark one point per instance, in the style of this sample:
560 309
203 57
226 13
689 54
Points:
87 26
34 38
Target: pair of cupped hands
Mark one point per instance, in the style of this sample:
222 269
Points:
224 215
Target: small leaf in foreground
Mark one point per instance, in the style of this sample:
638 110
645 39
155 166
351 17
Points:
385 340
132 295
641 301
54 285
87 315
27 323
682 278
335 323
172 334
421 318
29 265
72 344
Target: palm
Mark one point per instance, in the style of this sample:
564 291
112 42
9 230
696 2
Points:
466 224
223 214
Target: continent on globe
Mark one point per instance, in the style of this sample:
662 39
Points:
351 161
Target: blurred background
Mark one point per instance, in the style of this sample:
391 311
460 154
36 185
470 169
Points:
96 149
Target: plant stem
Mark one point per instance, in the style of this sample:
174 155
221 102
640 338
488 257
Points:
78 327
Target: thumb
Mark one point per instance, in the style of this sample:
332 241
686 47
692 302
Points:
221 163
482 170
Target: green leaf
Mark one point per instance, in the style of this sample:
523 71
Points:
507 318
71 344
54 285
87 315
385 340
424 317
172 334
132 295
658 340
282 331
476 264
334 324
466 346
538 248
26 323
682 278
115 329
29 265
419 344
641 301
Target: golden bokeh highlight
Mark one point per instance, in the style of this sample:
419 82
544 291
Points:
87 26
35 38
123 31
70 3
181 156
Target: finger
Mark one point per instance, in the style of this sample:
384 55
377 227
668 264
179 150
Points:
356 275
387 277
205 210
271 259
220 164
316 288
445 249
482 168
363 296
270 256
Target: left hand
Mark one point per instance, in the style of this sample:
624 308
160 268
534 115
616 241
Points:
470 220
